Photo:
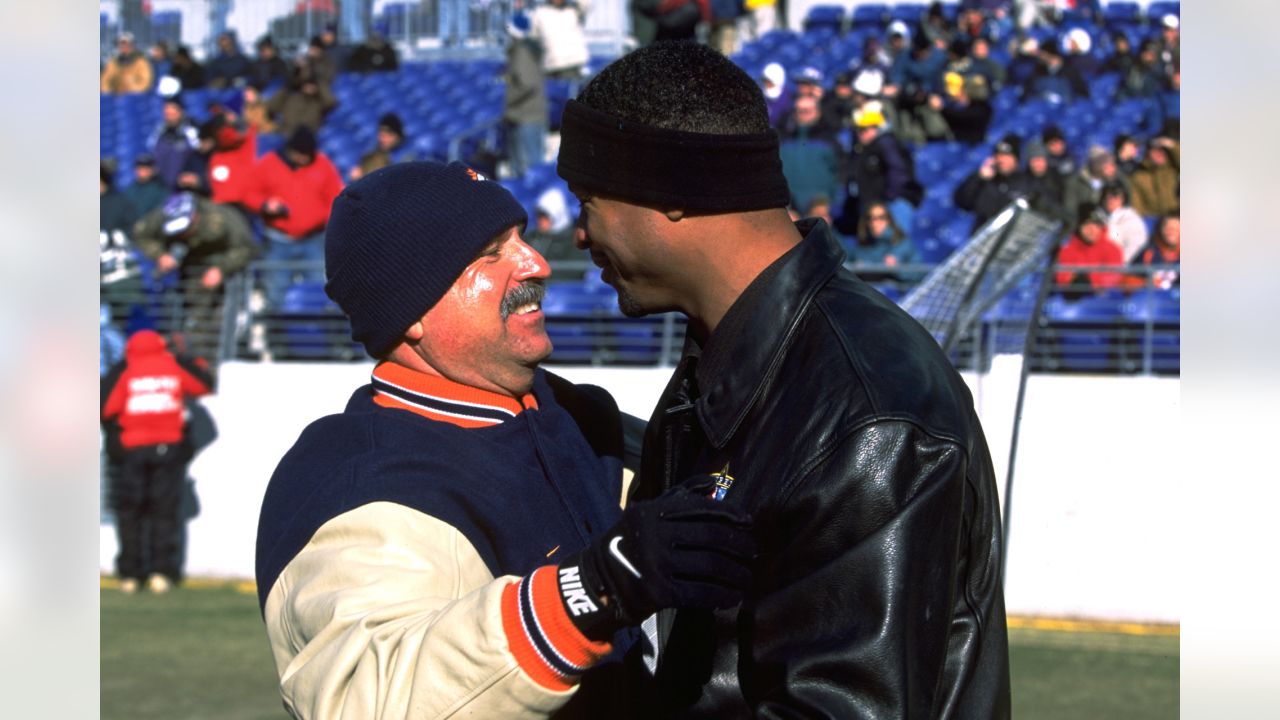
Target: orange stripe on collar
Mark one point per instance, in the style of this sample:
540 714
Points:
442 399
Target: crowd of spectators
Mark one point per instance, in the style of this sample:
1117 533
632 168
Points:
848 139
851 141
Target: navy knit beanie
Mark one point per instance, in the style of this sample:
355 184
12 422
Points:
399 237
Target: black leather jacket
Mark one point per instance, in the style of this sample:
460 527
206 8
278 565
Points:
854 443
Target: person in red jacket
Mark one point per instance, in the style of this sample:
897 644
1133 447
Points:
1090 246
233 162
145 394
295 187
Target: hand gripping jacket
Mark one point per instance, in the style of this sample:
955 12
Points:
840 426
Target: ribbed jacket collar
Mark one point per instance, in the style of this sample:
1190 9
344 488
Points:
438 398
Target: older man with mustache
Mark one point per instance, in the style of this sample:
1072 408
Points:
453 541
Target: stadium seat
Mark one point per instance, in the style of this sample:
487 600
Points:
870 15
829 17
1157 10
1119 13
1087 335
310 325
1154 318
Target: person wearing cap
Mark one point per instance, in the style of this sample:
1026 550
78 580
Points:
779 96
1040 185
187 70
524 105
881 168
294 190
268 69
228 67
205 244
828 414
304 102
1059 154
374 54
965 107
128 71
230 147
148 191
812 160
174 141
1084 188
839 104
1168 46
993 186
1156 181
435 548
1125 226
391 148
1089 247
142 402
1054 80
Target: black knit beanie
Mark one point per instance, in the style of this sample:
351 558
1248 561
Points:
398 238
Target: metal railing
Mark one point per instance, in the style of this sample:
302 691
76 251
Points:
1132 328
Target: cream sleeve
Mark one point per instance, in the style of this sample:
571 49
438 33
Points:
391 613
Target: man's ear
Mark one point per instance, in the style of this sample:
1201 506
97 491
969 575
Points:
674 215
415 332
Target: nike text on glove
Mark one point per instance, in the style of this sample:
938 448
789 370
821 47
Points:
681 549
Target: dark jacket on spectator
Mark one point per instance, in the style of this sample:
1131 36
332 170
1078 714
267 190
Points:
968 122
293 108
265 73
148 195
884 172
985 198
225 68
373 56
171 148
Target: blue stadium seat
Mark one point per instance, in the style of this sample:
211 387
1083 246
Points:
573 313
1087 335
829 17
1121 13
1157 10
312 326
909 13
870 15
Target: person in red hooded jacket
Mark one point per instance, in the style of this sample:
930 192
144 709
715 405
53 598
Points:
144 394
1090 247
295 187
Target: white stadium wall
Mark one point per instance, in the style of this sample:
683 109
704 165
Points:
1094 532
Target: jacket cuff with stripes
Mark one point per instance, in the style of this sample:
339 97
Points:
544 641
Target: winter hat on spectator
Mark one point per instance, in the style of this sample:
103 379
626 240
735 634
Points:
898 27
1170 21
808 75
392 122
871 114
303 141
1090 213
145 159
775 75
1036 149
518 26
398 238
1051 133
179 212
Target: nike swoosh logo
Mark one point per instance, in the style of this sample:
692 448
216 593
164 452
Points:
614 551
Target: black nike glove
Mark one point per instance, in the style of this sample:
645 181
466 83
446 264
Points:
681 549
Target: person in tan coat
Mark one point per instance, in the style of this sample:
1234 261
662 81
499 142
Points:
129 71
1155 182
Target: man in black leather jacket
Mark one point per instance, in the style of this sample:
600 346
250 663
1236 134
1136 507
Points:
827 413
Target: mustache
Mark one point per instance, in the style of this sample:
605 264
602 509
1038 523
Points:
529 291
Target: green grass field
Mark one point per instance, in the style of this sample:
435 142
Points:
201 654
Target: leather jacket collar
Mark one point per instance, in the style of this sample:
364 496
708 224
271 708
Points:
772 316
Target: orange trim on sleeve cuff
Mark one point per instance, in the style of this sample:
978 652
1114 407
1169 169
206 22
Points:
545 624
522 647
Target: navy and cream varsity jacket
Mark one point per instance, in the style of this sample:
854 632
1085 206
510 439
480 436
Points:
406 548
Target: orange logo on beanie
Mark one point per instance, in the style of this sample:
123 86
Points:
475 175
